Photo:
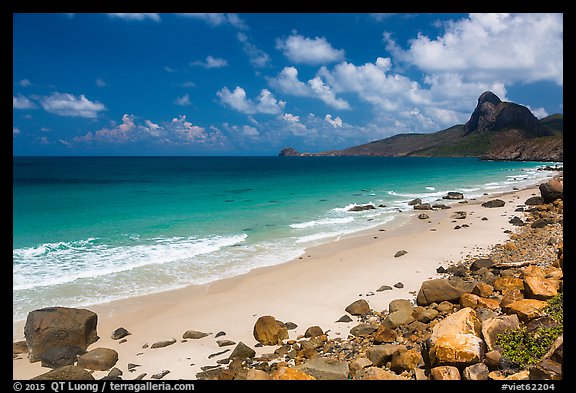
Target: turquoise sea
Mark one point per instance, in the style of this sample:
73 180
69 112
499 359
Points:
92 229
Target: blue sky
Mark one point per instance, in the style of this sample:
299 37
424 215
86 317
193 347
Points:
254 83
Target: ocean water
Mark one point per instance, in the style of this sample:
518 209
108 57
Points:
87 230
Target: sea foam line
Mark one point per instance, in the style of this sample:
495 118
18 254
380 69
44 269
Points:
46 265
326 221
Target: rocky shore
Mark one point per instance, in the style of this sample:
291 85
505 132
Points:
495 316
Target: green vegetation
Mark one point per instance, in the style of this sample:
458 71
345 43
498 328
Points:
469 146
555 123
555 308
524 347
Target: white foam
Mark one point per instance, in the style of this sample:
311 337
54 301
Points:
420 195
319 236
46 265
326 221
345 208
469 189
44 249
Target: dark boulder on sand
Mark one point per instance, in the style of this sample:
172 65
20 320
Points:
494 203
119 333
51 327
459 215
535 200
194 335
453 195
163 343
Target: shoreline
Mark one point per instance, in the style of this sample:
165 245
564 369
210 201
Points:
311 290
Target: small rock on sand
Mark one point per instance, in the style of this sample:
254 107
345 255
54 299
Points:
162 344
120 333
194 335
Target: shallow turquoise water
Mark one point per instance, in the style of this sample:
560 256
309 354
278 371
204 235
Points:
91 229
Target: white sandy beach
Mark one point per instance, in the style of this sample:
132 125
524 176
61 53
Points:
311 290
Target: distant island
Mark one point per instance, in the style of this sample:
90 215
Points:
496 130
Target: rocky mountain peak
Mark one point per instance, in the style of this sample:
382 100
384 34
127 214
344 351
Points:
493 114
490 97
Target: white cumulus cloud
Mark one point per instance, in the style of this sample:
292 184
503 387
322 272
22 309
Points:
289 117
211 62
287 82
443 100
523 47
337 122
179 130
21 102
63 104
185 130
300 49
264 103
